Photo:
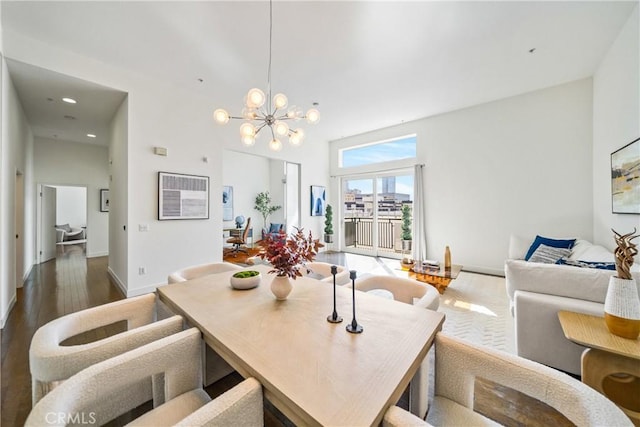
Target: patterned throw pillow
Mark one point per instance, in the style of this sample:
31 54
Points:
556 243
588 264
549 255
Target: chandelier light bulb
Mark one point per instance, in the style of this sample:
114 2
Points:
248 140
275 144
281 128
221 116
249 113
280 101
255 98
247 129
294 113
295 140
300 133
313 116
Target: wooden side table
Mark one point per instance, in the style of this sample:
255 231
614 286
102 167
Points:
611 364
440 279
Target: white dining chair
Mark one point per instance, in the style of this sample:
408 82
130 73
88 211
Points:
51 362
215 368
457 365
412 292
169 369
322 272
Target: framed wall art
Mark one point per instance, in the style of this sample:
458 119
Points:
318 200
182 196
104 200
227 203
625 179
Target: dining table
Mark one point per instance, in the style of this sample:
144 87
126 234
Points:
314 371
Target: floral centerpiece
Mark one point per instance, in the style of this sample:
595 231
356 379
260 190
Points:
288 255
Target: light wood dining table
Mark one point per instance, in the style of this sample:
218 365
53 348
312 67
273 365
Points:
313 371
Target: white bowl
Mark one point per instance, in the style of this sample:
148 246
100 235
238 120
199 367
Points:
245 282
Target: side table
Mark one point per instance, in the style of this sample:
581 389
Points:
611 364
440 278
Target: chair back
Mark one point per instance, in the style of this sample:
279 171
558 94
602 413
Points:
245 233
196 271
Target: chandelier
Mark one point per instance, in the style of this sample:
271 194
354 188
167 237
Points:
262 112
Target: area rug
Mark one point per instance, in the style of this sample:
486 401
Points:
241 257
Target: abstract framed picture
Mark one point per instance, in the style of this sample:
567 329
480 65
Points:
104 200
625 179
182 196
227 203
318 200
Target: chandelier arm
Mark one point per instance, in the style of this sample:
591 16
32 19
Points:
260 127
270 43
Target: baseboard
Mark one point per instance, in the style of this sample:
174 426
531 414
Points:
483 270
116 280
26 276
97 254
5 316
144 290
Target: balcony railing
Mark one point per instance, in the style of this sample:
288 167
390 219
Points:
358 233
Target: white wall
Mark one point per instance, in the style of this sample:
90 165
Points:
520 165
71 206
67 163
15 155
248 175
616 122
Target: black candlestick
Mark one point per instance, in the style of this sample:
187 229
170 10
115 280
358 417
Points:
334 318
353 327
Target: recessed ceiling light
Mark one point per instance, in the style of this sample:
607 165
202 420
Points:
69 117
533 49
69 100
90 135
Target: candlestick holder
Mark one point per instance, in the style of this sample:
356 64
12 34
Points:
334 318
353 327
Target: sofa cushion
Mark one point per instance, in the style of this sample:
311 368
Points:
275 228
555 243
548 254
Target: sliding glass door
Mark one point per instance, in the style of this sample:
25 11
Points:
372 213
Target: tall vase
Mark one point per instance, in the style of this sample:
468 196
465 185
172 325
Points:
281 287
447 258
622 308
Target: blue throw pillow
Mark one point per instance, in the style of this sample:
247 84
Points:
588 264
554 243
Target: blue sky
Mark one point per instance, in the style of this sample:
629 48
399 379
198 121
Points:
377 153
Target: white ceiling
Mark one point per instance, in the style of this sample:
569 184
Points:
369 64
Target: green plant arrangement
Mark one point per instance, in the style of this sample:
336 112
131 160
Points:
328 225
246 274
406 222
288 255
264 206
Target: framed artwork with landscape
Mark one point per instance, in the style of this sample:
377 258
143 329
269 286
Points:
318 200
182 196
625 179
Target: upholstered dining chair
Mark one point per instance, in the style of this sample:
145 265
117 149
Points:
195 271
240 240
412 292
458 363
322 272
51 362
169 370
214 367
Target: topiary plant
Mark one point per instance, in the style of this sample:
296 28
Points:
406 222
328 220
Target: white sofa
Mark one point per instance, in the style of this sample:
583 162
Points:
538 291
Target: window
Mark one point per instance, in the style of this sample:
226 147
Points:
378 152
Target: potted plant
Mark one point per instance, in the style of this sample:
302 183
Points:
328 225
407 262
288 255
264 206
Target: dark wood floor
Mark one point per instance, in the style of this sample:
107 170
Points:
72 282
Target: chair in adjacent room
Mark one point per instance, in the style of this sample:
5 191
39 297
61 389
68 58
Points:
241 239
415 293
52 362
170 371
457 365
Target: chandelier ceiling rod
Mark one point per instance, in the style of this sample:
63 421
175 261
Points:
268 116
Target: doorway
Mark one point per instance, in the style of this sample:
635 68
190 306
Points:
372 212
19 228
